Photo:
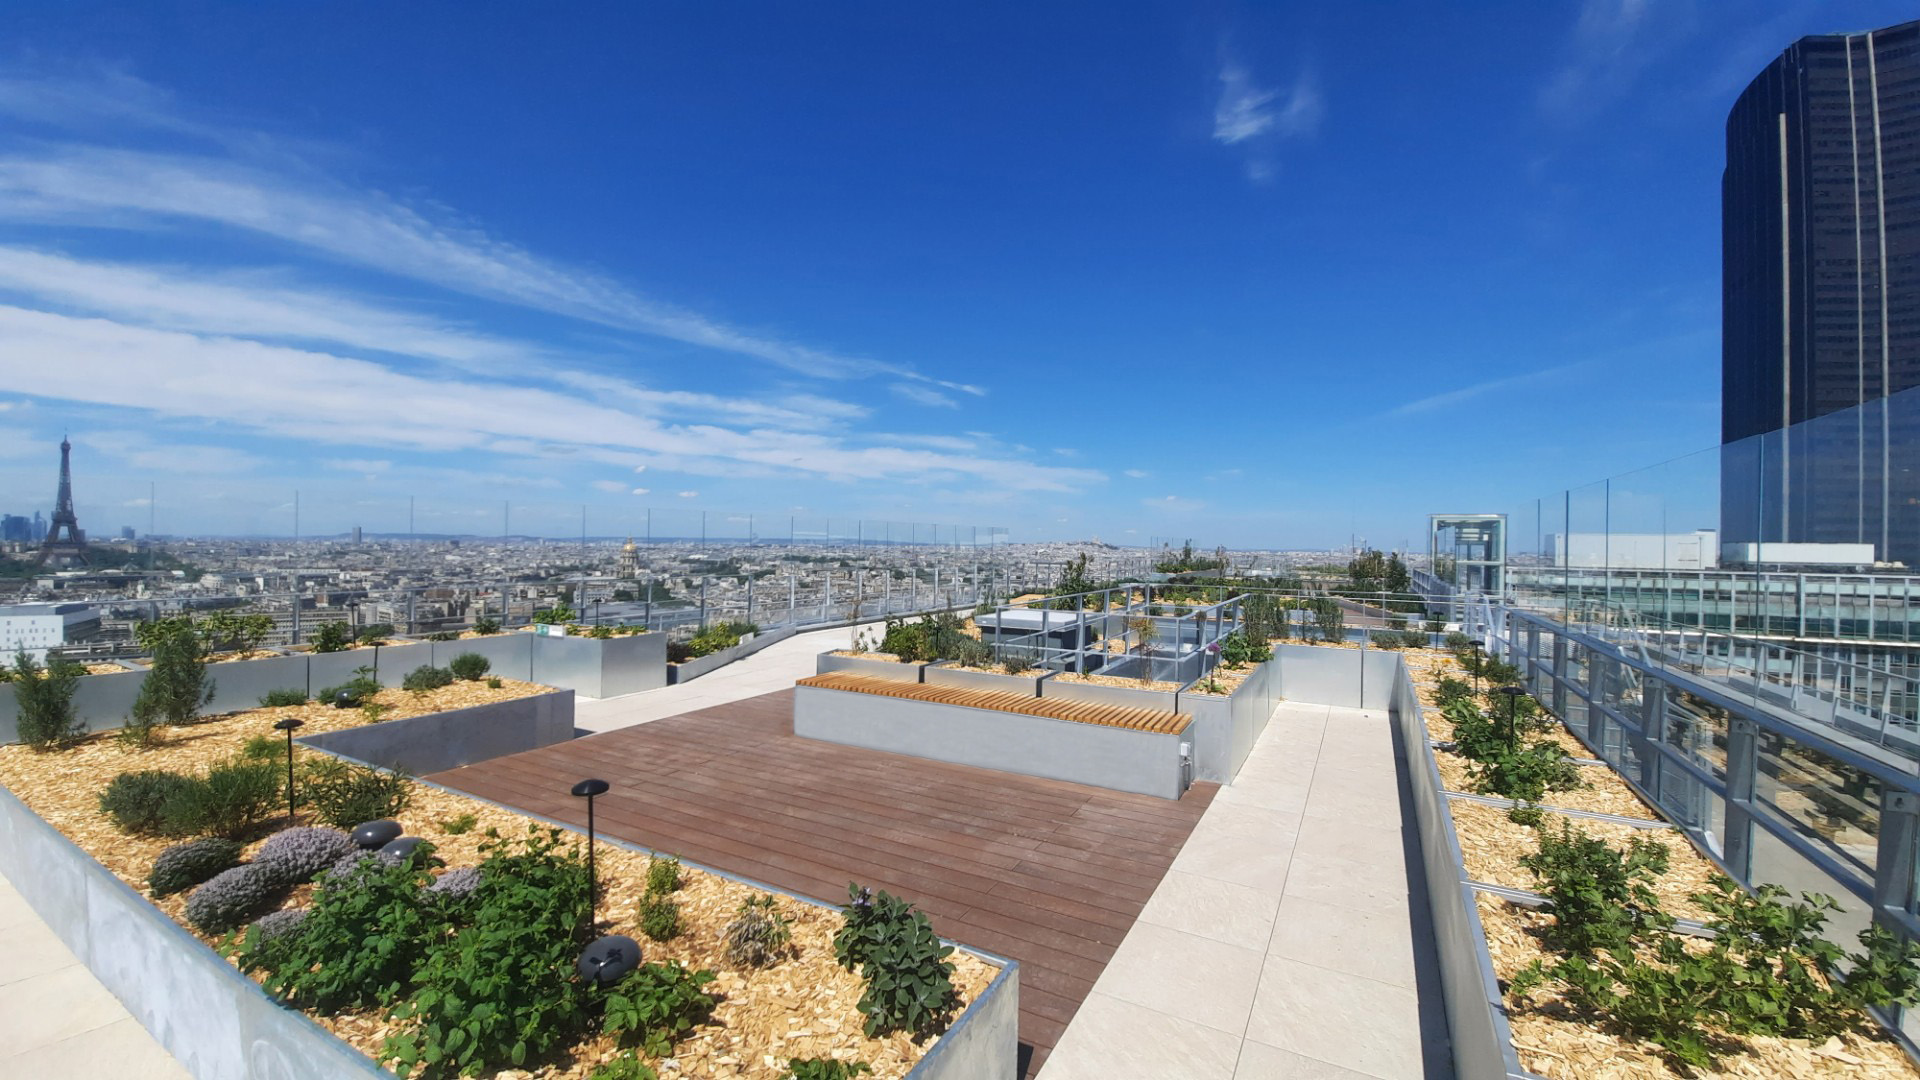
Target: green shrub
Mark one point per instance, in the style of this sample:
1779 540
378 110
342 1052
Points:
758 935
1450 690
712 640
1602 897
494 683
176 685
136 801
909 980
469 666
376 634
230 800
908 641
444 635
659 917
663 874
1527 774
359 690
43 697
1239 650
183 866
655 1005
346 795
277 699
427 677
359 943
263 748
825 1069
484 625
332 637
557 615
459 824
501 990
1526 813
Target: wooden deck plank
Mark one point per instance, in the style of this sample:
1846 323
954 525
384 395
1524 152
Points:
1050 873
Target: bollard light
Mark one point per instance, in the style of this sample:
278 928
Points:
1478 663
587 789
1513 705
288 724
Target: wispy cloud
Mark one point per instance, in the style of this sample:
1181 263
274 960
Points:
641 491
1137 474
923 395
1602 59
689 494
1256 117
1474 390
611 487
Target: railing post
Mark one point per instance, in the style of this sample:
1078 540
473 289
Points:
1893 878
1743 762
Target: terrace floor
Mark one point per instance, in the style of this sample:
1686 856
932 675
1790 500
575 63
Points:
1049 873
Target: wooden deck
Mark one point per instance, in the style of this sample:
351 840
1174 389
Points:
1049 873
1082 712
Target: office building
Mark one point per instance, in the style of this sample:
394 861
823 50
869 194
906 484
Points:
1820 208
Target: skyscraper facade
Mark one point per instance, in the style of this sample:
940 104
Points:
1820 289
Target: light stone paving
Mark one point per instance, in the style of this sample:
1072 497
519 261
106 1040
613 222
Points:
772 668
1287 941
56 1021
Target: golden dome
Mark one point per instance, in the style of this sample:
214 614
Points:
630 545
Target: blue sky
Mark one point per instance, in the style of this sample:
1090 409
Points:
1254 276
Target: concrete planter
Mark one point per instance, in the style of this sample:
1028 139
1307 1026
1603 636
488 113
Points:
211 1018
448 740
601 667
1132 697
1123 759
867 665
1224 728
693 669
945 674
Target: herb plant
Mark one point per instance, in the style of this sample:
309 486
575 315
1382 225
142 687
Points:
825 1069
909 980
655 1005
345 795
357 947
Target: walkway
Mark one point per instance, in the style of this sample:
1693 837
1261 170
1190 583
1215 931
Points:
1049 873
1290 939
772 668
56 1021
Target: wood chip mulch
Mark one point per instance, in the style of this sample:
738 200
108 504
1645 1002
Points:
801 1006
1493 845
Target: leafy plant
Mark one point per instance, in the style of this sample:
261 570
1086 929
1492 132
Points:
232 897
910 641
1527 774
230 800
444 635
276 699
1237 650
494 683
176 685
663 874
358 945
758 934
427 677
231 630
459 824
1450 690
376 634
136 801
469 666
655 1005
825 1069
332 637
1526 813
43 697
659 917
183 866
501 990
360 689
909 980
345 795
1602 897
1016 661
558 614
485 626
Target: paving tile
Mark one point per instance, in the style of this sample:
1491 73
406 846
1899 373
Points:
1258 859
1111 1039
121 1049
1374 944
1220 910
1258 1061
32 951
1375 808
47 1008
1288 795
1374 885
1180 974
14 910
1361 1024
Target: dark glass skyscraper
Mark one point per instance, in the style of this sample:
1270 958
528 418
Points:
1820 219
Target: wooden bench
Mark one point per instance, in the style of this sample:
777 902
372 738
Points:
1080 712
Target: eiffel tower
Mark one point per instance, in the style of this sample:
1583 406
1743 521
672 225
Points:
71 551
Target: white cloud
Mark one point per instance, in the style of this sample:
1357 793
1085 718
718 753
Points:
1474 390
639 469
923 395
1174 504
1257 117
1137 474
613 487
358 465
1603 58
689 494
641 491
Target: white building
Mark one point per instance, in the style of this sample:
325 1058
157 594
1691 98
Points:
1697 550
39 627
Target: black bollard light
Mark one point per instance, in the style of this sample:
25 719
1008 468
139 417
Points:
1478 663
288 724
587 789
1513 705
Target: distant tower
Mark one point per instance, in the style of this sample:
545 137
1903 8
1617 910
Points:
71 551
629 560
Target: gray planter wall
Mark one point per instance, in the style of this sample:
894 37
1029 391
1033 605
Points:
213 1019
1123 759
601 668
941 675
867 665
448 740
1098 693
693 669
985 1040
1224 728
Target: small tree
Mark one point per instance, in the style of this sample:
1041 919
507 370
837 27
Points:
176 685
1073 581
44 697
333 637
1398 580
1147 631
1329 619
